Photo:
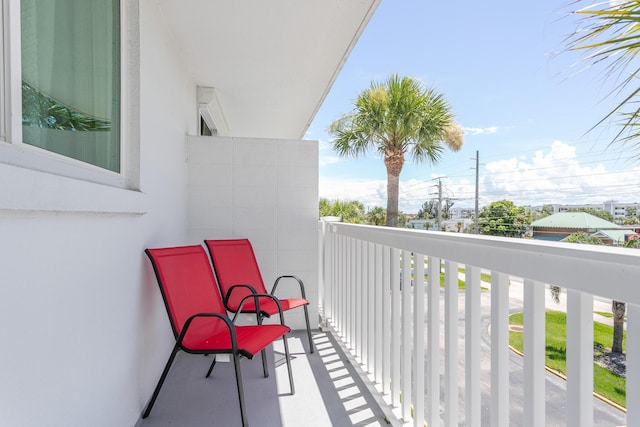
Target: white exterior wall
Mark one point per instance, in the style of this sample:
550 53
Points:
265 190
84 331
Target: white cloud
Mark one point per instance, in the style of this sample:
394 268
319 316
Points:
481 131
370 192
556 176
329 160
326 154
413 192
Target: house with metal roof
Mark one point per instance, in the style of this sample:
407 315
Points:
558 226
614 237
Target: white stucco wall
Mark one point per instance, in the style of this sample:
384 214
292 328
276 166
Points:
85 334
265 190
84 331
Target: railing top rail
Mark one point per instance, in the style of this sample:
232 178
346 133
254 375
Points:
610 272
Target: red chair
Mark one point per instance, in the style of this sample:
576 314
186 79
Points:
239 276
199 320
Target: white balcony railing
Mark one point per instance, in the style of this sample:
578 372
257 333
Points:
380 315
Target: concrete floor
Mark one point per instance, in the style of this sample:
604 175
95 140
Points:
328 391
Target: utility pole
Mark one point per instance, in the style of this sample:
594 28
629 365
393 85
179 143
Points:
477 174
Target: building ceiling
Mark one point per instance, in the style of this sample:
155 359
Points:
271 63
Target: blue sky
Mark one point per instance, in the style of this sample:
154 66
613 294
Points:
526 110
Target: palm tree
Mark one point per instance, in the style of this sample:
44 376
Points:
610 37
376 216
350 211
394 118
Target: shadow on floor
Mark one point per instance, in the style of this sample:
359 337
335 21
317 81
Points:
328 390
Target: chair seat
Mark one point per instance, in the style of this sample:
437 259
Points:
251 339
268 306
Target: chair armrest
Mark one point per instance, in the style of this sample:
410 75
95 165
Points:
296 278
239 285
257 303
225 319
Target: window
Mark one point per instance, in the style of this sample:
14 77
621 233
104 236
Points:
70 51
205 130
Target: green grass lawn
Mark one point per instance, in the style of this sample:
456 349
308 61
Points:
605 382
461 283
606 314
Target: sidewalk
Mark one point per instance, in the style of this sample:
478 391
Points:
516 291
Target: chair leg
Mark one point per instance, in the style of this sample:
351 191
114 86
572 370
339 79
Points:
288 359
265 368
211 367
147 411
306 318
243 413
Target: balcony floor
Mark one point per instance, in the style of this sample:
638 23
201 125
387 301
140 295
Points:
328 390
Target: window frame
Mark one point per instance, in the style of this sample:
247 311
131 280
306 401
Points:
3 62
15 152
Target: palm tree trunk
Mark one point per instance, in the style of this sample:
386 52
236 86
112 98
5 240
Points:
393 189
393 160
618 310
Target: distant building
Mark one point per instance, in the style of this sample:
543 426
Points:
457 213
569 208
458 225
618 210
421 224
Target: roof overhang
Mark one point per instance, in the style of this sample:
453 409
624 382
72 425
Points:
270 63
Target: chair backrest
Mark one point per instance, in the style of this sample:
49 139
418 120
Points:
235 263
187 283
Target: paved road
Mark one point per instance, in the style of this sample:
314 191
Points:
555 387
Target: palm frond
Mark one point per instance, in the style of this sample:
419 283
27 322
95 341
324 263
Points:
609 35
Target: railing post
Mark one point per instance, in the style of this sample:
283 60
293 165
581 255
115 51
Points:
326 267
357 300
534 354
380 325
579 359
633 365
395 326
499 350
472 390
349 312
405 347
386 320
342 286
418 340
451 342
364 304
433 343
372 313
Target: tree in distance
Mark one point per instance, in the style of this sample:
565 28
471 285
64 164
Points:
503 218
